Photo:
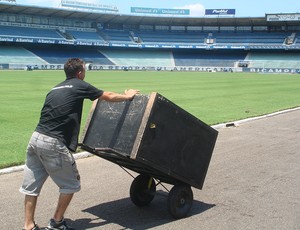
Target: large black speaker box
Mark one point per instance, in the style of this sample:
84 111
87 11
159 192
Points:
151 135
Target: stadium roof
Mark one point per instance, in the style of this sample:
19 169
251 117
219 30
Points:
137 19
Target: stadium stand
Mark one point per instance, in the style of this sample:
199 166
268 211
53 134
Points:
29 32
273 60
139 57
224 37
208 58
84 35
167 37
19 55
59 54
116 36
31 35
250 37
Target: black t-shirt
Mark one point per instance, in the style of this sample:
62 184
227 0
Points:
61 113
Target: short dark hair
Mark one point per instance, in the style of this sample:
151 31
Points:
72 67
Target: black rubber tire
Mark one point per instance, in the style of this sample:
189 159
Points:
142 190
180 200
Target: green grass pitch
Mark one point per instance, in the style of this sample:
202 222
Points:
212 97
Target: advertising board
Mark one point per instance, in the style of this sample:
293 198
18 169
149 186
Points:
219 11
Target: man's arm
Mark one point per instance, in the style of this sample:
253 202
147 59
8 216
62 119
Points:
116 97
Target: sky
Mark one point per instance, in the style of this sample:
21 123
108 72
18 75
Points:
253 8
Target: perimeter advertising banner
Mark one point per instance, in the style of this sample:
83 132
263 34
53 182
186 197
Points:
219 11
143 10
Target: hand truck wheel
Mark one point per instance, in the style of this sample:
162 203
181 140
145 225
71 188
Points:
180 200
142 190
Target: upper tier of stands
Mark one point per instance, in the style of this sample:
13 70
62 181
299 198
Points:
146 37
250 37
84 35
29 32
172 37
224 37
116 36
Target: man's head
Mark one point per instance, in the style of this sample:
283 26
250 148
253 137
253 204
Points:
75 68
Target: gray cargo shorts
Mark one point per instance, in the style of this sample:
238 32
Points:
47 156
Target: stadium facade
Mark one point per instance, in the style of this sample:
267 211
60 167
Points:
44 38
